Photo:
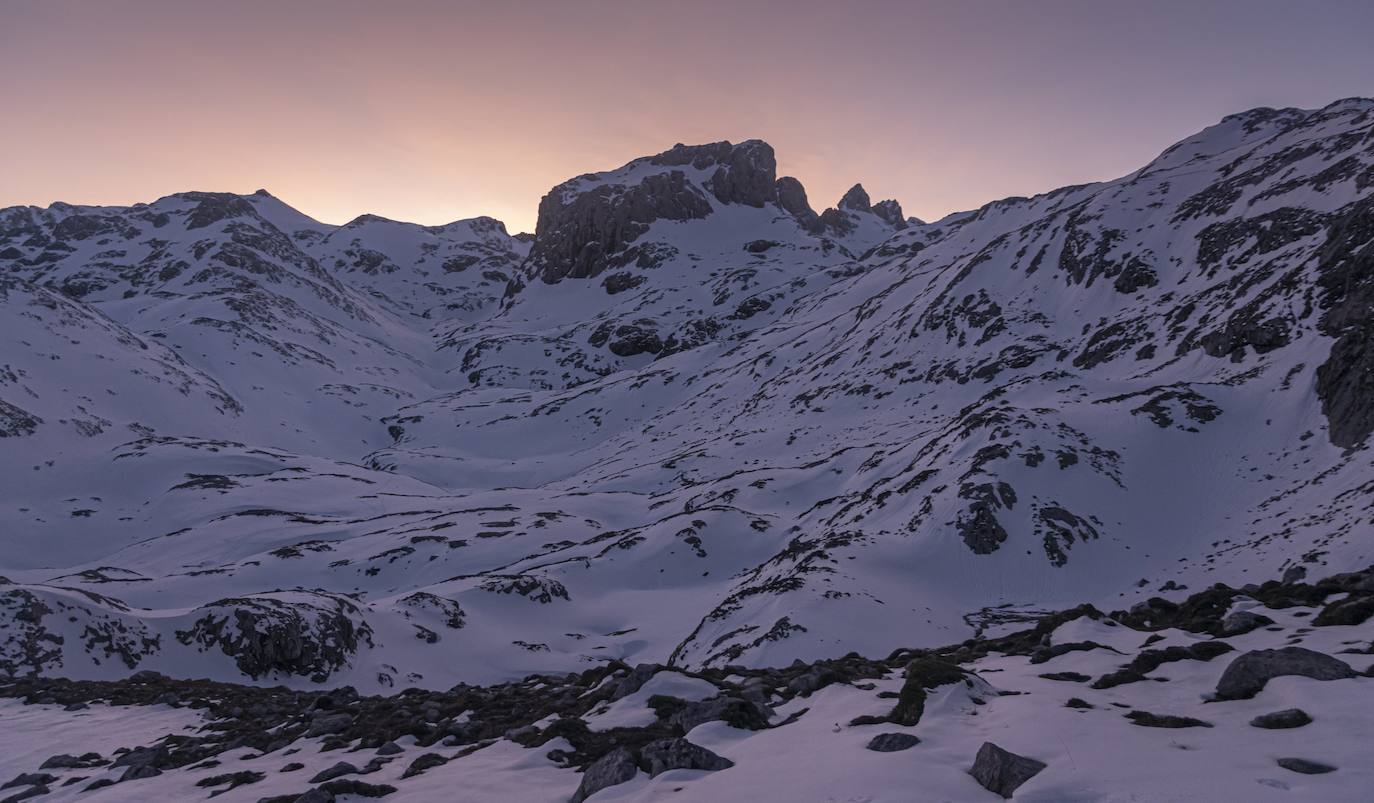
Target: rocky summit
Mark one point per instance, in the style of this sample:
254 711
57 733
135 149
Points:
700 493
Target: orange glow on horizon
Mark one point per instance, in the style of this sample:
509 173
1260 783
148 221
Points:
430 112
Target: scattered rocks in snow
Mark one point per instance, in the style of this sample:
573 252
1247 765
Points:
1248 674
1001 771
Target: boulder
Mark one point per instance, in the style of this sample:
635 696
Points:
736 712
892 742
1001 771
1242 622
1304 766
340 769
1246 675
635 680
1287 718
616 767
30 779
680 754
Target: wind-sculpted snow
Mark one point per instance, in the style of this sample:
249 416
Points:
691 422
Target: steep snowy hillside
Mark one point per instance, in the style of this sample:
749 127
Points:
691 422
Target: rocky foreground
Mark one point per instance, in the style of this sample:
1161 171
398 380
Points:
1256 693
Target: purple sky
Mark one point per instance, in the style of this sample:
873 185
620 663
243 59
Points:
432 111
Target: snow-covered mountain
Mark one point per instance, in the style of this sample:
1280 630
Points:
690 421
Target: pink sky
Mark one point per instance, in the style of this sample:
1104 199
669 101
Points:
430 111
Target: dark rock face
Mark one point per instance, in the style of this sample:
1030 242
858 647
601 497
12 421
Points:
892 742
856 199
265 635
583 224
922 674
1003 772
16 422
1246 675
616 767
891 213
1345 382
1354 610
792 198
1304 766
1279 720
680 754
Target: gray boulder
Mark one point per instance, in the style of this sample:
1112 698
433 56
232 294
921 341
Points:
680 754
616 767
738 713
1242 622
325 724
635 680
1002 772
338 770
1246 675
892 742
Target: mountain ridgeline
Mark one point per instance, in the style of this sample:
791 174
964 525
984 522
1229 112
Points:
690 421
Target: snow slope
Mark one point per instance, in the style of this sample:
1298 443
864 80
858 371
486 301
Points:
690 421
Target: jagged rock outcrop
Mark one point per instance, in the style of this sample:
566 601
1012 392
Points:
586 224
296 637
792 198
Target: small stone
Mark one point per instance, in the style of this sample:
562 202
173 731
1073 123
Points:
1287 718
1148 720
892 742
390 749
1305 767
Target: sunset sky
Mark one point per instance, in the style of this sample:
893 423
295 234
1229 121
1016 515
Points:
430 111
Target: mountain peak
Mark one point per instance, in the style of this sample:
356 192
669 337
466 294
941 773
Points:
856 199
